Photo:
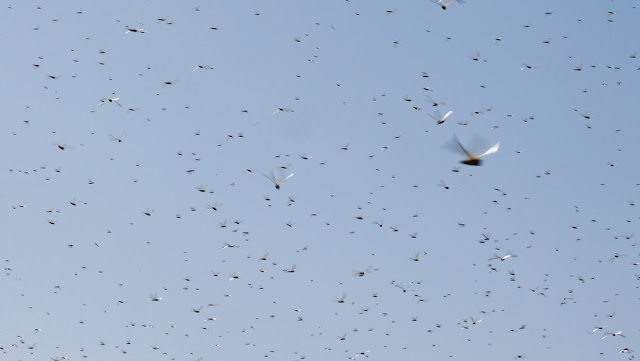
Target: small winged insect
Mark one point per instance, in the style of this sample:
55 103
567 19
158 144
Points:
402 287
290 270
472 157
444 3
435 103
109 100
134 30
207 67
619 333
597 328
362 273
119 139
277 181
503 258
445 185
288 110
437 116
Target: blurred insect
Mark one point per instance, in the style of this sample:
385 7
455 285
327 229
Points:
402 287
288 110
277 181
364 272
109 100
437 116
616 256
119 140
502 258
473 321
133 30
435 103
445 185
202 67
599 328
619 333
472 159
444 3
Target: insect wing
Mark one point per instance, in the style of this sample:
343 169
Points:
270 177
490 150
456 146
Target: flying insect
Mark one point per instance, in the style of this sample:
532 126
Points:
472 159
277 181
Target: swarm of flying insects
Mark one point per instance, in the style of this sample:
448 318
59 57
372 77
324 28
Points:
472 158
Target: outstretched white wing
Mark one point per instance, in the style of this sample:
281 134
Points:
490 150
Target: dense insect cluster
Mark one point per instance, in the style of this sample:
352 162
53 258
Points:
465 180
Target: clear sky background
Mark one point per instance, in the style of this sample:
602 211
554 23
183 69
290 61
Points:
381 244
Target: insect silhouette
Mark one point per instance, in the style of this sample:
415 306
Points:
444 3
472 159
119 139
277 181
110 100
437 116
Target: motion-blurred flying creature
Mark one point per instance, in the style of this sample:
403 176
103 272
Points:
472 159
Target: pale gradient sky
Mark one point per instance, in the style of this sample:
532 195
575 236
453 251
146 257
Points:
555 82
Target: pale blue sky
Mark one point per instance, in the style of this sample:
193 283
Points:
556 83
